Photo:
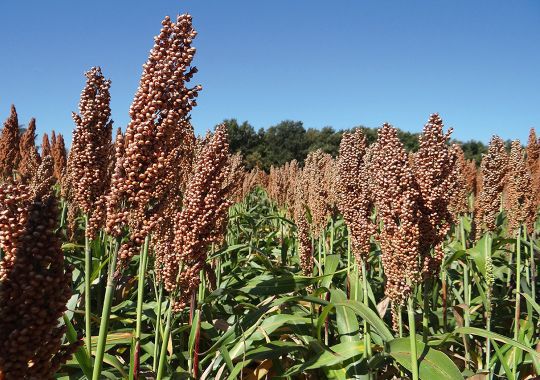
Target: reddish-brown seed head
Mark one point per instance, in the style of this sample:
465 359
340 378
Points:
9 146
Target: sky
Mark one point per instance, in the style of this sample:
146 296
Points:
336 63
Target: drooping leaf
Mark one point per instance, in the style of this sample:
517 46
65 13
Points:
432 364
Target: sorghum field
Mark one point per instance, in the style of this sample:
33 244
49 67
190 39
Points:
153 254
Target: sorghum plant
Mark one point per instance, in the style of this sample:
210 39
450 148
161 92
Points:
197 225
494 166
34 283
159 137
318 177
89 155
59 155
46 145
353 197
30 158
397 199
434 172
518 197
9 146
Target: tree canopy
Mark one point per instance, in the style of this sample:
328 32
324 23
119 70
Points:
290 140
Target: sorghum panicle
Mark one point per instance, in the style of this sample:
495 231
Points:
30 158
235 179
518 197
434 171
353 196
293 175
533 161
459 204
493 172
397 199
34 284
43 180
159 139
87 165
9 146
533 150
318 178
277 185
198 225
254 178
305 246
59 155
46 148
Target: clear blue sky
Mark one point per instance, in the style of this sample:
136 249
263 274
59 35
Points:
337 63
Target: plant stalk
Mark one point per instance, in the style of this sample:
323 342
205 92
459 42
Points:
367 335
518 299
412 335
158 328
488 306
87 286
425 313
143 260
105 315
164 342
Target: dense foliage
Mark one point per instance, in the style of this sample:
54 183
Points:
290 140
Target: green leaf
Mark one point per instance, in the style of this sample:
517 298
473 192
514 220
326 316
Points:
113 361
330 265
227 358
347 323
432 364
273 350
477 252
322 319
193 332
371 317
500 355
495 336
237 369
532 302
329 357
268 285
81 355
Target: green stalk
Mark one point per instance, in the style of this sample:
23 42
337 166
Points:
202 287
63 214
412 335
105 315
466 279
488 300
218 268
533 269
444 290
400 316
467 313
143 260
166 336
356 275
518 298
158 329
323 242
425 313
348 252
466 291
367 336
87 284
331 235
283 252
319 256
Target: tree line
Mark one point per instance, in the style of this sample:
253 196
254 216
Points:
289 140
